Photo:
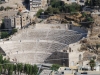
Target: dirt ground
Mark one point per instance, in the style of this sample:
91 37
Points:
12 3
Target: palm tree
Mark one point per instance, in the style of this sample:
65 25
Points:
19 68
35 69
30 69
10 70
26 69
92 64
15 68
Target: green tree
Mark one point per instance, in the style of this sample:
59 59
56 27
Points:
89 19
52 2
56 11
35 69
74 7
49 11
15 68
84 14
4 68
1 59
4 35
25 68
39 12
58 4
5 65
14 31
1 8
19 68
30 69
10 70
55 67
92 64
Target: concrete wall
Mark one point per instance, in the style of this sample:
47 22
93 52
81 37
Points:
77 28
74 54
51 26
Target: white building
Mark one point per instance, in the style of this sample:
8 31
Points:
35 5
81 2
74 55
16 21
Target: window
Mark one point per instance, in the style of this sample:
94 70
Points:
80 57
69 49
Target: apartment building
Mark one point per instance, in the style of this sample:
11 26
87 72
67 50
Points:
16 21
81 2
35 5
9 22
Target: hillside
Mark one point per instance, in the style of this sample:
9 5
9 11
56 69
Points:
11 3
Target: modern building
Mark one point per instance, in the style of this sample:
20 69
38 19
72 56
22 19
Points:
81 2
35 5
9 22
70 1
16 21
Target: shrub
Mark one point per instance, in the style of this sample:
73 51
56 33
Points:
39 12
89 19
13 31
1 8
4 35
55 67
